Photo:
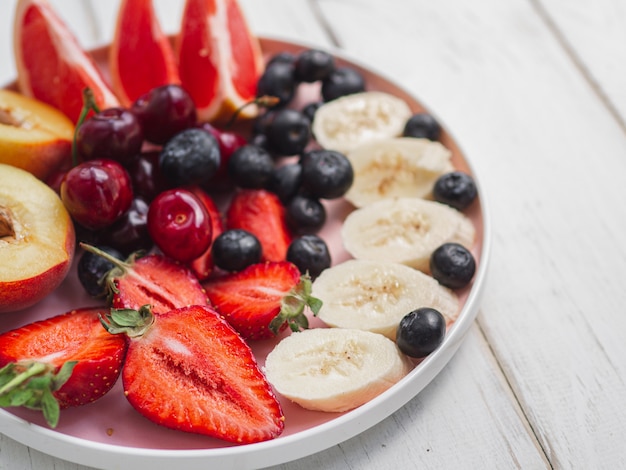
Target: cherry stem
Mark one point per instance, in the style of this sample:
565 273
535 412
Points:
265 101
89 104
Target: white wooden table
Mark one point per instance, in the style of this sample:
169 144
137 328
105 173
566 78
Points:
535 92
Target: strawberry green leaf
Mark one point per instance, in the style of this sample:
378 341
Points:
30 384
50 408
130 322
293 305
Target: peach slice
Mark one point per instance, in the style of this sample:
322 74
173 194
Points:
37 239
34 136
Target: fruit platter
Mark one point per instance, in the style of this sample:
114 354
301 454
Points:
256 270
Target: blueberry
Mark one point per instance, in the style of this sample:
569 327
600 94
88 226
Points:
456 189
305 214
190 157
313 65
326 174
282 57
420 332
310 109
422 125
236 249
452 265
310 254
93 268
278 80
250 166
342 81
288 132
285 181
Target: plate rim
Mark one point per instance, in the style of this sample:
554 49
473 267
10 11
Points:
319 437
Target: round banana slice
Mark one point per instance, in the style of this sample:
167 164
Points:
346 122
334 369
404 230
396 167
375 295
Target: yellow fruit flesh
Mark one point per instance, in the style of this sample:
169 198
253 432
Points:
35 226
33 135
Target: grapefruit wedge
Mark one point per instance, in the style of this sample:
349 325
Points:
219 59
51 65
141 56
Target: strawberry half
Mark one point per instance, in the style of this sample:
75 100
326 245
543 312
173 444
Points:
260 212
203 266
153 280
263 299
187 369
67 360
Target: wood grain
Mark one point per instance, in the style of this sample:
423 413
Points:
534 92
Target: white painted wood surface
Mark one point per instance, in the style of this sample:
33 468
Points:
535 92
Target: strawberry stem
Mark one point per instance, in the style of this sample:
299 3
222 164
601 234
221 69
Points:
118 263
31 385
89 104
293 305
33 369
133 323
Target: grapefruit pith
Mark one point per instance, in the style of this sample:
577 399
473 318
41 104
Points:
141 56
51 65
219 59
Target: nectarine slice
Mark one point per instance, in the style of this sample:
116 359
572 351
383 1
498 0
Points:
34 136
37 239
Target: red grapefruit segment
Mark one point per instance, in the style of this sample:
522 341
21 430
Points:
51 65
219 58
141 56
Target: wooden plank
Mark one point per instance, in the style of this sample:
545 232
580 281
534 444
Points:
595 38
521 109
466 418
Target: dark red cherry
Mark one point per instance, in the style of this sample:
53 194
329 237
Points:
113 133
179 224
129 233
97 192
145 174
163 112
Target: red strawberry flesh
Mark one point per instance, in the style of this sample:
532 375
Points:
74 336
203 266
157 281
192 372
260 212
251 299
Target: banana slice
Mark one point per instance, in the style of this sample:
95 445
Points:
351 120
334 369
375 295
396 167
404 230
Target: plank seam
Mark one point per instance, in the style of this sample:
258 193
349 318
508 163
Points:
561 39
325 25
510 386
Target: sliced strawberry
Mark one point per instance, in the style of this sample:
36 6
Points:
188 369
203 266
261 213
70 358
152 280
263 299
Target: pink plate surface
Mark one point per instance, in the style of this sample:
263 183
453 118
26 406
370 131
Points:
110 434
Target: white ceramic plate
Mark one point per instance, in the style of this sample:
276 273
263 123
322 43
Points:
110 434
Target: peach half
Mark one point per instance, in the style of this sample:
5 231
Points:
37 239
34 136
